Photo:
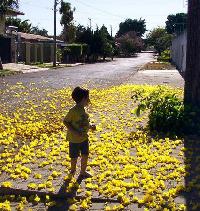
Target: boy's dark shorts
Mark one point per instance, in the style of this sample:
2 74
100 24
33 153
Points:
76 148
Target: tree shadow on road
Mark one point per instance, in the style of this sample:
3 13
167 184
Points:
189 194
192 178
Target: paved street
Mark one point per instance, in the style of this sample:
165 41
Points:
119 71
99 74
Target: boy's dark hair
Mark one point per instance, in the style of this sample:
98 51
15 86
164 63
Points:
78 94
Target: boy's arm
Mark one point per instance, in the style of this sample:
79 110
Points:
71 128
92 127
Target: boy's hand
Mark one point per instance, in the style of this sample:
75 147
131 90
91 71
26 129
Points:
78 134
93 127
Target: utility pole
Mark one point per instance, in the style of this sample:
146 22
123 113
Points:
111 30
55 47
90 23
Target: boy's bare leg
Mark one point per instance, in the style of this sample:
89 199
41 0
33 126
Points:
73 164
84 160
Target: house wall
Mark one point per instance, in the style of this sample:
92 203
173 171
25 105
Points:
35 52
179 50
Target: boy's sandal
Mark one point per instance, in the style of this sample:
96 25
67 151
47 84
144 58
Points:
72 173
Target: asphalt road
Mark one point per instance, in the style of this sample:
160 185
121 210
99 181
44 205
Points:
98 74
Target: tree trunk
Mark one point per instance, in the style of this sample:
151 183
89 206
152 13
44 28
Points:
1 66
192 74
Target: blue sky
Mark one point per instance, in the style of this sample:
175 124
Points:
107 12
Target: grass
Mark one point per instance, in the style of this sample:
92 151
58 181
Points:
158 66
6 72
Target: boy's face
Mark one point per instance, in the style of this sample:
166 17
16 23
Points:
86 100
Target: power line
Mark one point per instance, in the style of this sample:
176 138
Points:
185 3
37 5
103 11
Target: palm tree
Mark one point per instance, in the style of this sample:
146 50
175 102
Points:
8 4
192 74
69 30
23 26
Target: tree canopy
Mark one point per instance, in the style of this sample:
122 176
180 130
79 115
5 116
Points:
37 30
159 39
129 44
176 23
8 4
67 17
138 26
99 41
23 26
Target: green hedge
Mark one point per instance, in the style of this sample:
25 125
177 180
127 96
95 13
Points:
165 56
167 112
85 49
77 50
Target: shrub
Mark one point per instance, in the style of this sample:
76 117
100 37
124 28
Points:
75 49
165 56
129 44
85 49
167 112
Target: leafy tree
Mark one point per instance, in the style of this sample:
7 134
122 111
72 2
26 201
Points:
84 35
96 44
69 30
36 30
106 43
176 23
159 39
129 44
99 41
154 35
108 50
163 43
138 26
80 30
23 26
105 34
8 4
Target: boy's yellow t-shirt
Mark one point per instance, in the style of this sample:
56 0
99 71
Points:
79 120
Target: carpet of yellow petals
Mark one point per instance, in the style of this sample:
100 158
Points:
127 164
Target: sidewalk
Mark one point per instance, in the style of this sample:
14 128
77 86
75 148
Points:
22 67
33 68
158 77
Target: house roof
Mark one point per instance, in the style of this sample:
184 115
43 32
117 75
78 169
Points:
13 12
38 38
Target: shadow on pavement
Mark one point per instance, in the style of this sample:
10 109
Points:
192 178
63 204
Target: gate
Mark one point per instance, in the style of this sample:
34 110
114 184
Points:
5 49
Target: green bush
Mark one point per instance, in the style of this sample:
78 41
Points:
85 49
74 49
59 54
167 112
165 56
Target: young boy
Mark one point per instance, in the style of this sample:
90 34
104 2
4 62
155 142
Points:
77 123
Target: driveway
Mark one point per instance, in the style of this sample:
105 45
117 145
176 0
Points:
99 74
